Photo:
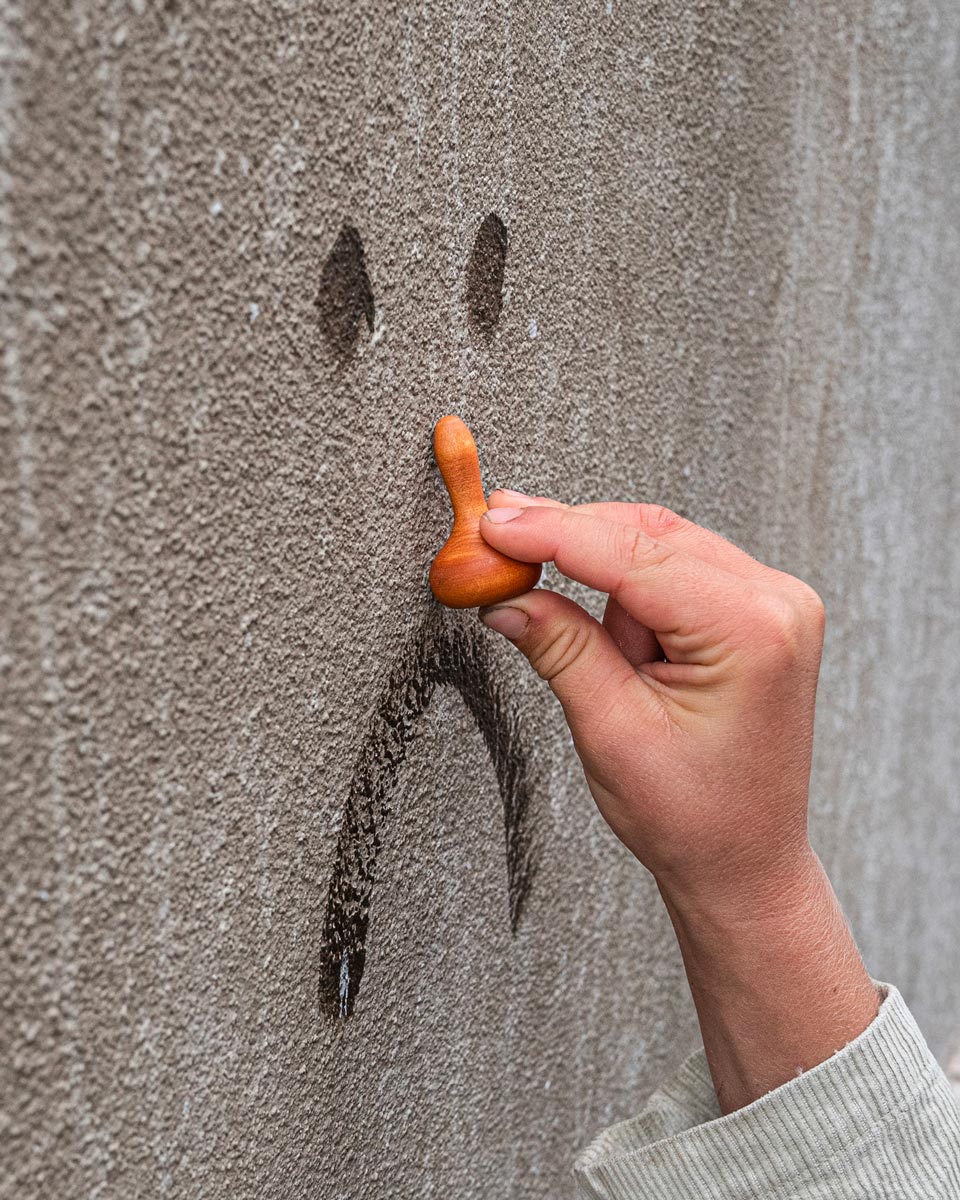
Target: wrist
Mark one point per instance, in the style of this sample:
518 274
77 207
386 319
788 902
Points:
735 896
775 975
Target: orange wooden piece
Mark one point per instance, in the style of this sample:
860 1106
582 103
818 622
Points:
467 573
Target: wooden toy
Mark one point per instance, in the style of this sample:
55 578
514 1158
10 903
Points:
467 573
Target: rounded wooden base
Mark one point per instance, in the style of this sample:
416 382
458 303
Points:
467 573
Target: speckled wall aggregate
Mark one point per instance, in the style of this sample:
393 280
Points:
249 253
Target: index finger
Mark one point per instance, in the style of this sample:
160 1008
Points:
692 606
658 522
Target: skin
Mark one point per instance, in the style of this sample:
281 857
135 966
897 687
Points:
691 707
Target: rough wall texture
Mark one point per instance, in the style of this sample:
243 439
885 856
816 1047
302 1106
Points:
730 285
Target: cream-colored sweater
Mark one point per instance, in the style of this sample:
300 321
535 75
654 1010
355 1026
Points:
876 1121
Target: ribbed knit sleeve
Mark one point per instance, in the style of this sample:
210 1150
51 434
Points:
878 1120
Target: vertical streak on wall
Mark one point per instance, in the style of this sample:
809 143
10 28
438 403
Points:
22 558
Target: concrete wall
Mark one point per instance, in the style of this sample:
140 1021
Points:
238 738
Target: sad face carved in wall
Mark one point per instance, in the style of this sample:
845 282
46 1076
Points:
440 653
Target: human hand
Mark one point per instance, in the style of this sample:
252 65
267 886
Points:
691 706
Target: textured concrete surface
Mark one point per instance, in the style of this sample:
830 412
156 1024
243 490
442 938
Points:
730 285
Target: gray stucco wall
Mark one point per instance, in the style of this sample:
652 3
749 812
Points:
730 286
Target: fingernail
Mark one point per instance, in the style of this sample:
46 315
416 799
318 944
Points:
501 515
511 492
511 622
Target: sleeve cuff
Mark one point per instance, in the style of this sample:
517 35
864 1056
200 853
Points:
680 1145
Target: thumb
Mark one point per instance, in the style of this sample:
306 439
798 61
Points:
572 652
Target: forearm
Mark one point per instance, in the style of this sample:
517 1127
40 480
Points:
776 977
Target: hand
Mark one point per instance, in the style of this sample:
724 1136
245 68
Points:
691 708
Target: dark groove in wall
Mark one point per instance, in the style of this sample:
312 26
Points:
485 276
345 298
441 654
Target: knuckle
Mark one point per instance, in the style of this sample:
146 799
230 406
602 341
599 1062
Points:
812 605
790 626
658 520
562 647
639 552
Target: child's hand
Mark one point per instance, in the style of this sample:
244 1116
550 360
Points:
692 705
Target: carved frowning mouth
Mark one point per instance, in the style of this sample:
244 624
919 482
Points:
443 653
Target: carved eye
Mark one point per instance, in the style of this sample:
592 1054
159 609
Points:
485 276
345 298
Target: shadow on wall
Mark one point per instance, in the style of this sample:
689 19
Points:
440 654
